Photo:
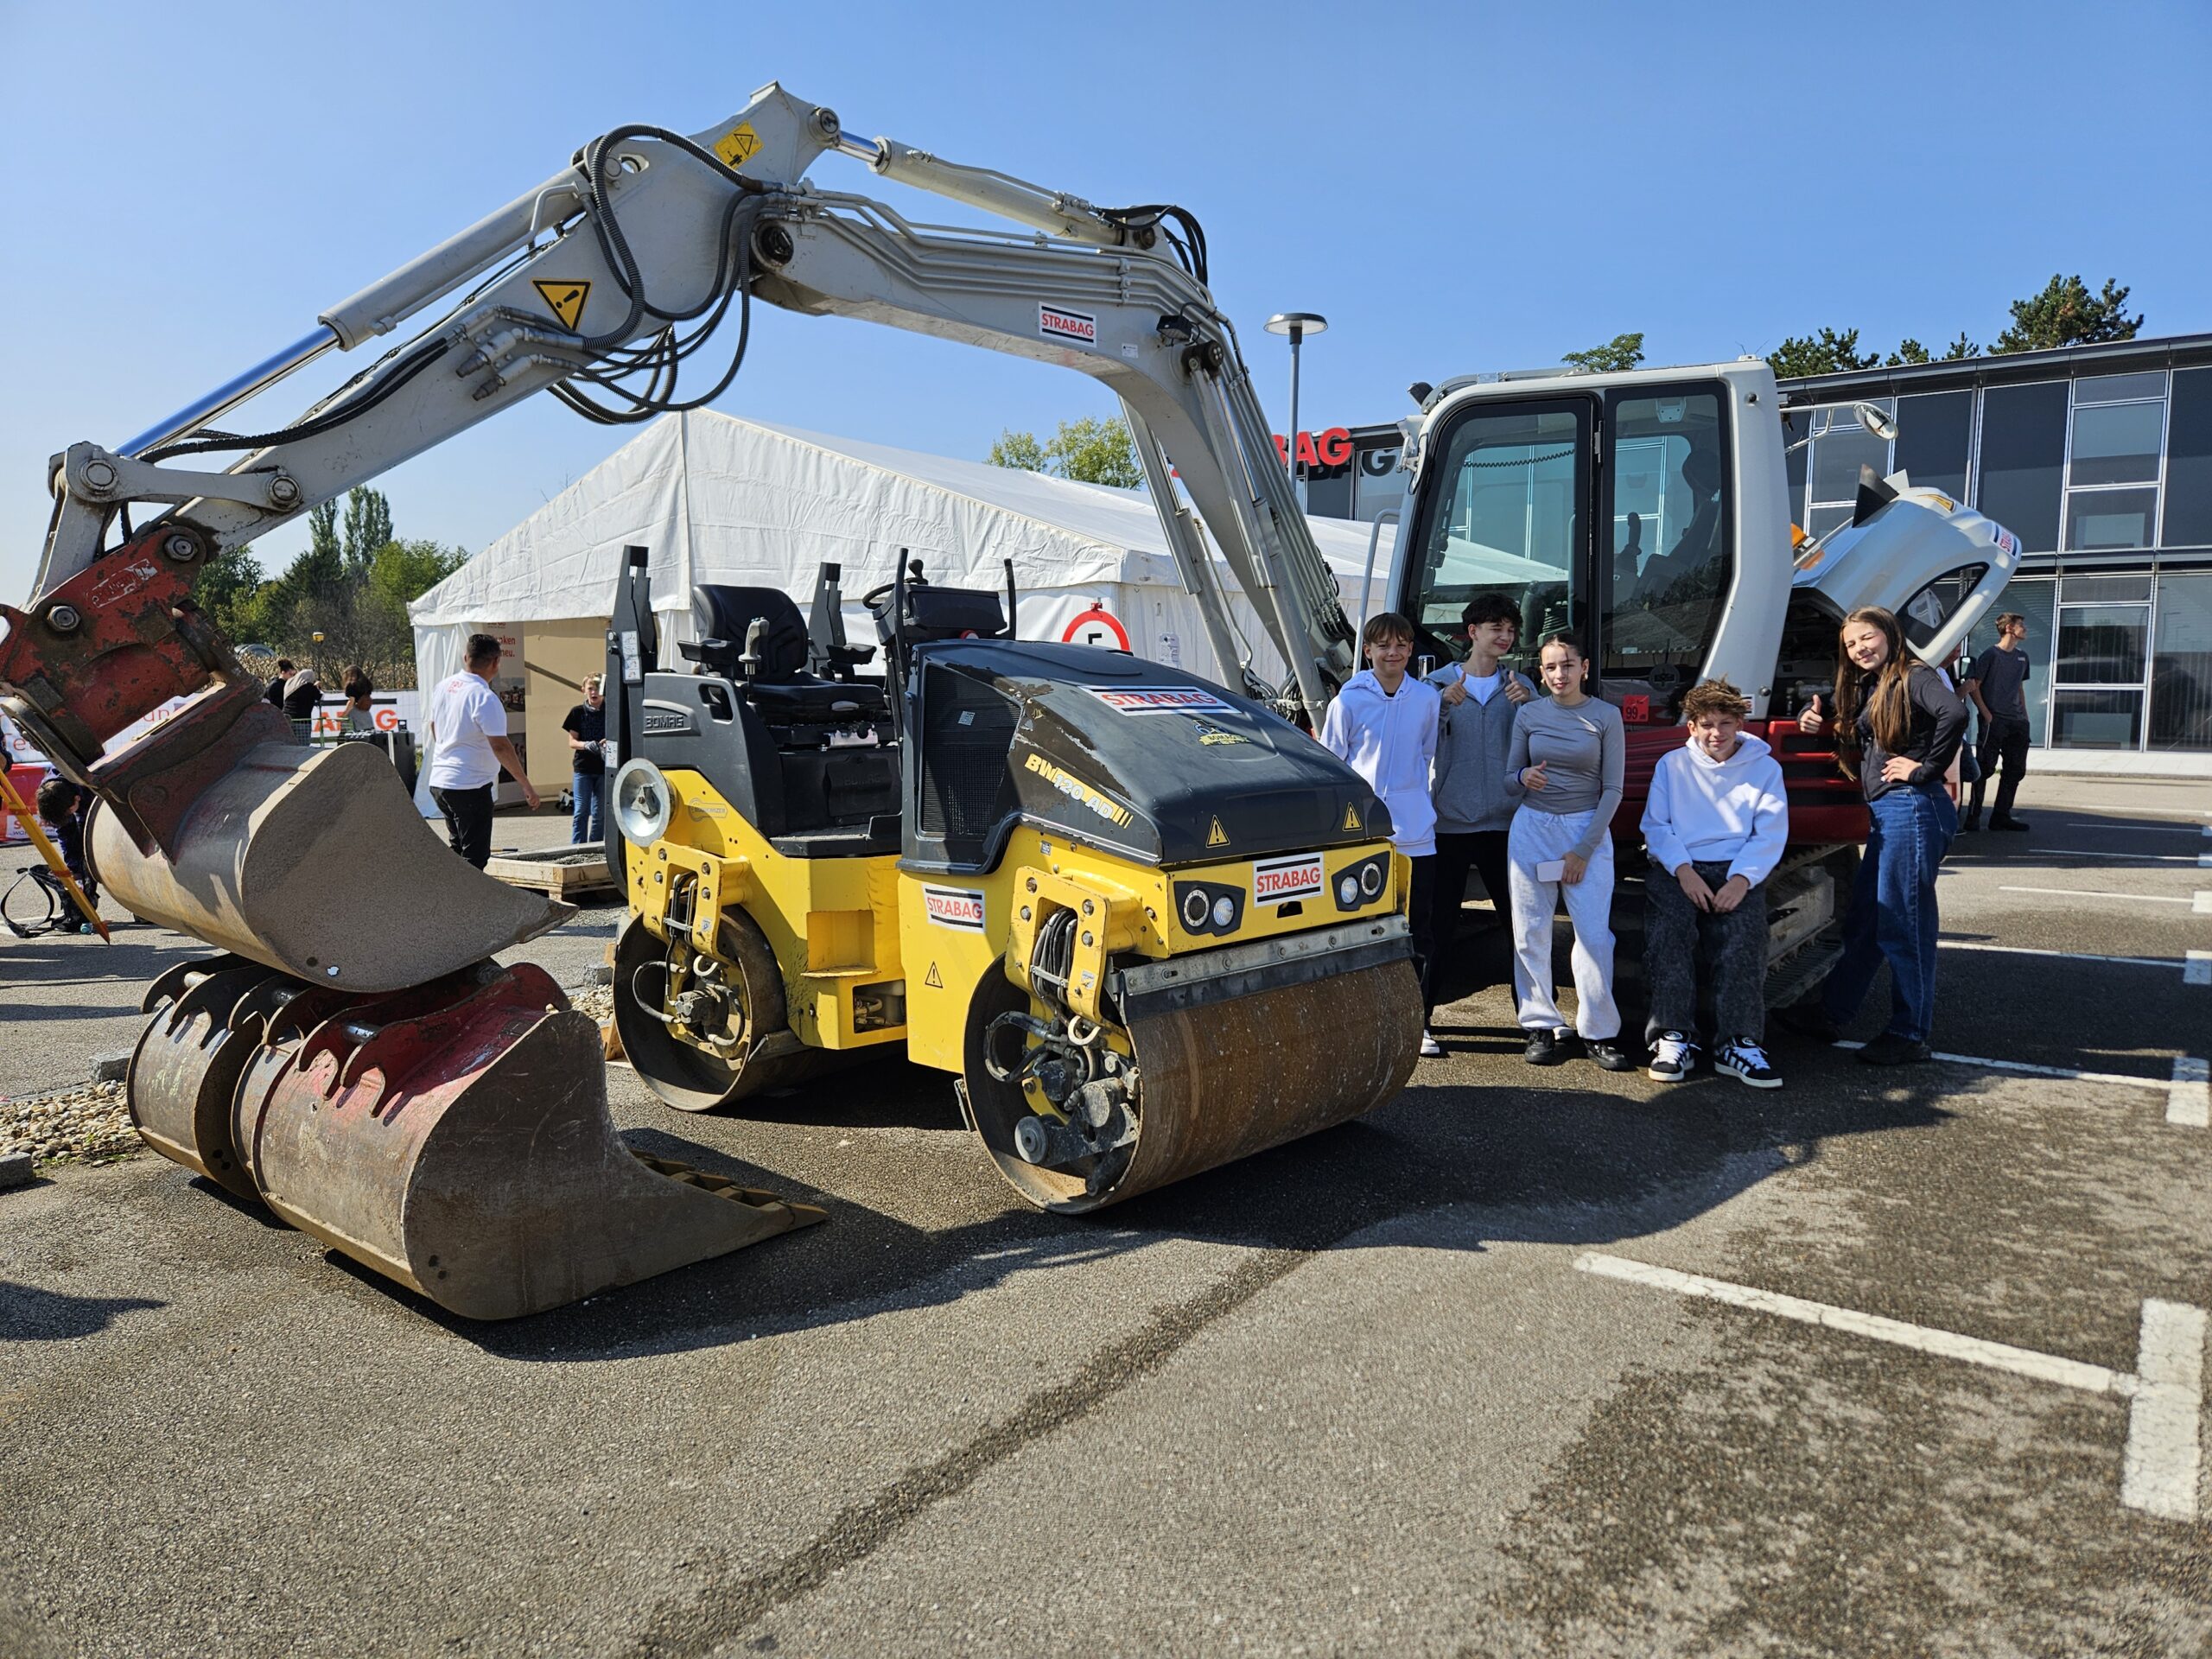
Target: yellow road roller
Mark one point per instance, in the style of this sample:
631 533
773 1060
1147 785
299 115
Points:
1149 926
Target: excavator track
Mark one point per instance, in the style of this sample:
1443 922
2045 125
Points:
453 1136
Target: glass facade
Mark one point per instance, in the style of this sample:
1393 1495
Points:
2107 480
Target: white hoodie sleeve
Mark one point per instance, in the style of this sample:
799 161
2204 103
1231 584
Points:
1661 839
1770 825
1335 737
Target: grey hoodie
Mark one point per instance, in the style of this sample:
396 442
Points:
1471 747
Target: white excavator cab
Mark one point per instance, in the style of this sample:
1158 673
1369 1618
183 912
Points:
1648 512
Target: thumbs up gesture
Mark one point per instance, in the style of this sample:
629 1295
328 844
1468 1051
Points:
1811 719
1533 776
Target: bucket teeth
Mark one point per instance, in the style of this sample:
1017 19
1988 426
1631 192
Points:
454 1137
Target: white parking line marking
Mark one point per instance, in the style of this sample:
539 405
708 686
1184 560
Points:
2091 893
1948 1345
2163 1449
2068 956
2199 971
2164 1452
2140 829
2189 1097
2065 1071
2138 858
2203 905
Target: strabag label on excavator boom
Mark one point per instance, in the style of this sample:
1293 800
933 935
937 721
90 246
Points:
1055 322
1278 881
959 908
1159 700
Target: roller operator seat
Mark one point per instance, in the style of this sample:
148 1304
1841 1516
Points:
785 694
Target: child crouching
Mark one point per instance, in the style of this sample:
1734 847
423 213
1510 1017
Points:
1714 823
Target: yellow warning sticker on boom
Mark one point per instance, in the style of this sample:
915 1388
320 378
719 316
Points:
565 299
737 146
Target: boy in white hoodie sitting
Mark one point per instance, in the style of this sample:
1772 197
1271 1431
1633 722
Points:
1715 825
1384 724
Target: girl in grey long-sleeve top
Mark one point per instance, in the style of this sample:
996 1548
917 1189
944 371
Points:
1567 759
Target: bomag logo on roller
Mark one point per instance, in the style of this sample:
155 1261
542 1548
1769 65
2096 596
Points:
1278 881
1076 790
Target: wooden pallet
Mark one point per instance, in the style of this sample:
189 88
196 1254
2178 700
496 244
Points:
563 871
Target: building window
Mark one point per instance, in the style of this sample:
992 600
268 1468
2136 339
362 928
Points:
2188 460
2119 435
1840 447
2024 460
1935 436
2181 668
2101 678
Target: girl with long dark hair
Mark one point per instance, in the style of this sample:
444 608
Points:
1897 725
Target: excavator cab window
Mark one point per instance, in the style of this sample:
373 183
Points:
1665 573
1507 515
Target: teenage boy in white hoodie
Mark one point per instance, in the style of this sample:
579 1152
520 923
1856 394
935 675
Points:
1383 724
1715 824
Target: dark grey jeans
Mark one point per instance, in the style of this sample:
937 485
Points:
1672 929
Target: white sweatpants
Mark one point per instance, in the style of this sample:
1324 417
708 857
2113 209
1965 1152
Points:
1537 837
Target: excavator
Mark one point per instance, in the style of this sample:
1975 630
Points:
1148 925
1143 912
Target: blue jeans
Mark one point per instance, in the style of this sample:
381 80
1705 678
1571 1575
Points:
584 821
1893 911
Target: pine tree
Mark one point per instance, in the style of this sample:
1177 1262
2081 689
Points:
1621 353
2066 314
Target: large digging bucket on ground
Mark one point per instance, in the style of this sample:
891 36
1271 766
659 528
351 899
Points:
315 862
454 1137
1227 1066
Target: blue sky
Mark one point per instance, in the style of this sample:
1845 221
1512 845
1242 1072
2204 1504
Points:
1456 187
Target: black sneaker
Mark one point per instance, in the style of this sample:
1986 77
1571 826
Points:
1747 1060
1808 1020
1673 1057
1971 821
1891 1049
1543 1049
2020 825
1608 1055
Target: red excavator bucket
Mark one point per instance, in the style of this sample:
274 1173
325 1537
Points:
454 1137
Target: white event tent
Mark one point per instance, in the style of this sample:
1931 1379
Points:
714 498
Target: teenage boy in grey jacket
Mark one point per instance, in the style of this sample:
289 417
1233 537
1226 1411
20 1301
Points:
1473 811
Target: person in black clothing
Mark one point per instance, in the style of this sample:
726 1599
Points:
63 805
302 693
1998 683
275 695
1897 725
586 729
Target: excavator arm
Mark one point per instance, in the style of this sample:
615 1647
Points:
361 1065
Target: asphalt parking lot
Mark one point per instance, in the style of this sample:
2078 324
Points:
1526 1361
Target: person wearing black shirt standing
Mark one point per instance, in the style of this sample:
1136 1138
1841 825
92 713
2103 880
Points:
1998 682
586 729
1897 725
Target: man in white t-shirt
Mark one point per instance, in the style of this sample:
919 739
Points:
468 732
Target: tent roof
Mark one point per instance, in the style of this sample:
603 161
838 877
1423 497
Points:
717 497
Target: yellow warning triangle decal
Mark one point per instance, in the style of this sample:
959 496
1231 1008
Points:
1217 836
565 298
934 979
1352 817
737 146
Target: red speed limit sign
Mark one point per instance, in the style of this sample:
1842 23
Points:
1093 628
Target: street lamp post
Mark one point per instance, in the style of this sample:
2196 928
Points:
1297 325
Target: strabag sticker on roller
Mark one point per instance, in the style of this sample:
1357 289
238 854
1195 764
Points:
1278 881
1159 700
1056 322
959 908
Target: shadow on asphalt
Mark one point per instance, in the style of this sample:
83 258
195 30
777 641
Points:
29 1315
1597 1167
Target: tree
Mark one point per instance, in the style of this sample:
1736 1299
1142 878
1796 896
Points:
368 527
1090 451
1620 353
1827 353
2066 314
227 590
400 572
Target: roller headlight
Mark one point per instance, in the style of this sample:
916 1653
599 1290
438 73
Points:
1224 911
1209 909
643 802
1371 876
1348 890
1194 908
1360 884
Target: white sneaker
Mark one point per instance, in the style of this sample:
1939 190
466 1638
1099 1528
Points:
1430 1048
1672 1058
1749 1062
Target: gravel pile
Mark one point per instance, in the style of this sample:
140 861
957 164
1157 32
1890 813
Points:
90 1123
597 1000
